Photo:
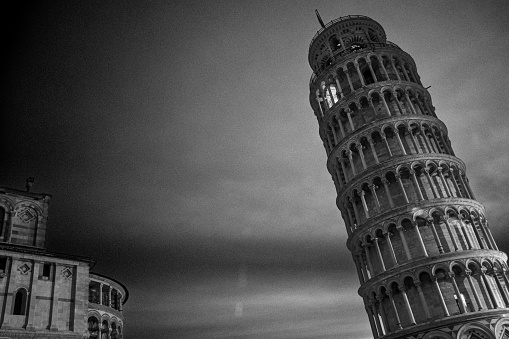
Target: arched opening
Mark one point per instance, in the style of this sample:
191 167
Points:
388 67
20 302
343 82
354 76
93 328
105 330
464 299
114 333
391 103
366 72
376 68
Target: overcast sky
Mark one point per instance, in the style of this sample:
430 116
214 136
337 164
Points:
178 143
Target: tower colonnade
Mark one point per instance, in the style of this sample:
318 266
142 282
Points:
427 262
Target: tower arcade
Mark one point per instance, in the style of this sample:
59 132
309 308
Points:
426 259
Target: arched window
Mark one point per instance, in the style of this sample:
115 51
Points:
93 327
20 302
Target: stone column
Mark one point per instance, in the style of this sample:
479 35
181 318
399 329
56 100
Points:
467 237
468 273
446 185
334 134
484 225
395 96
426 141
431 224
372 71
384 69
355 212
395 309
371 321
400 142
414 142
440 296
349 80
338 175
403 290
101 293
421 243
395 70
329 140
386 105
489 288
387 192
375 156
368 259
431 183
352 224
109 296
383 314
458 293
403 240
364 205
349 116
416 184
409 103
379 253
362 267
341 129
343 168
389 152
476 232
357 266
455 184
448 225
377 319
372 187
339 87
402 187
467 192
370 100
391 249
485 235
349 154
361 153
503 293
319 101
360 74
422 299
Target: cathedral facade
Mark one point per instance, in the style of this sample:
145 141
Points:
428 265
50 295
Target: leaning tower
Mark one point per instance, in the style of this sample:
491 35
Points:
427 262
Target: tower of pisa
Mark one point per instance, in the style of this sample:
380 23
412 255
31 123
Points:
427 262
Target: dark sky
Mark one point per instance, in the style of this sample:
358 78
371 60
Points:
179 146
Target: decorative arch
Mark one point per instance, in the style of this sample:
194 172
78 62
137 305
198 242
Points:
479 330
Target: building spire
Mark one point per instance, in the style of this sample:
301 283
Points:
319 18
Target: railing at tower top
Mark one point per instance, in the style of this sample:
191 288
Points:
338 20
341 53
